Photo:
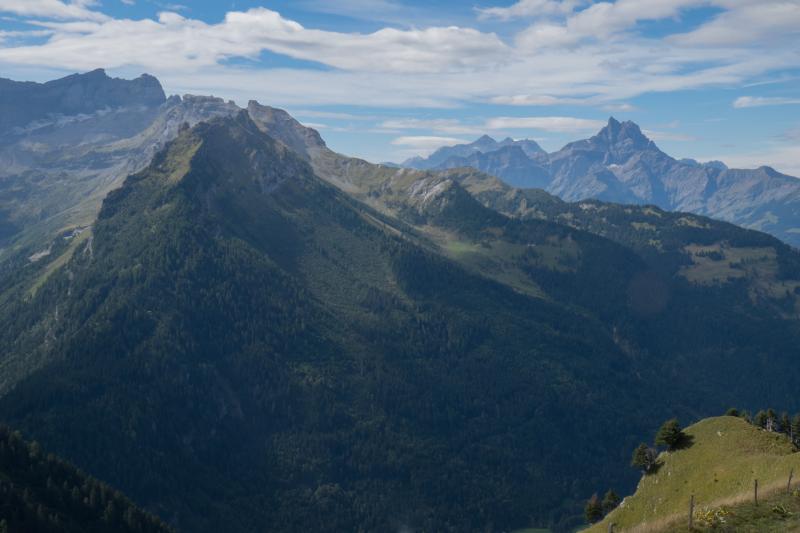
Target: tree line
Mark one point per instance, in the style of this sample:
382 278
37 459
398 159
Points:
645 457
40 492
770 420
672 437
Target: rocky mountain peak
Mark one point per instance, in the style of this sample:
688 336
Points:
484 139
24 102
627 133
282 126
484 144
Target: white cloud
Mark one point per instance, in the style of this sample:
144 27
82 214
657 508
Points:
448 126
52 9
177 42
360 9
619 108
425 145
760 101
530 8
588 56
782 157
528 100
746 22
5 35
791 135
533 100
600 20
495 124
553 124
314 113
669 136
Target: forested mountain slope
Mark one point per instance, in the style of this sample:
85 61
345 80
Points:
258 331
262 349
41 493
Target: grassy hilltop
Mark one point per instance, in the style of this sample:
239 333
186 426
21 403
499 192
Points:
726 455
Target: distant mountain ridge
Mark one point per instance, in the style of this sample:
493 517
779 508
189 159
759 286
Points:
483 145
56 171
65 144
620 164
24 102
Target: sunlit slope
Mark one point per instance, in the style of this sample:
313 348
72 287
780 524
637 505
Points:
719 468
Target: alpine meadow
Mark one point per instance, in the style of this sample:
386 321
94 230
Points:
571 303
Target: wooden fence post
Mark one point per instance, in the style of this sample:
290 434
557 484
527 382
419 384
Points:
611 527
789 484
755 491
691 512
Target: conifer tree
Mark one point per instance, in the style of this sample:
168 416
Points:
795 430
610 501
670 435
644 458
786 424
772 419
593 510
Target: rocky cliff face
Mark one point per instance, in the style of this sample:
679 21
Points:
22 103
511 162
444 157
65 144
55 172
282 126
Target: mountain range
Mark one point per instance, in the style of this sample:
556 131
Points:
56 169
245 330
620 164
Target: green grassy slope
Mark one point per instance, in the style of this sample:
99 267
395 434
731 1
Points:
778 513
719 468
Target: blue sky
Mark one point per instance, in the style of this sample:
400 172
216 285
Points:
388 79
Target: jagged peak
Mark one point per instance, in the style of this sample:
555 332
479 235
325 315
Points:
484 139
616 132
514 149
239 123
255 104
96 73
77 94
284 127
716 165
231 145
202 98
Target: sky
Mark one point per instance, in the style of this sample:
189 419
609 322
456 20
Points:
389 79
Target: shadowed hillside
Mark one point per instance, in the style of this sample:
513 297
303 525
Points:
41 493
